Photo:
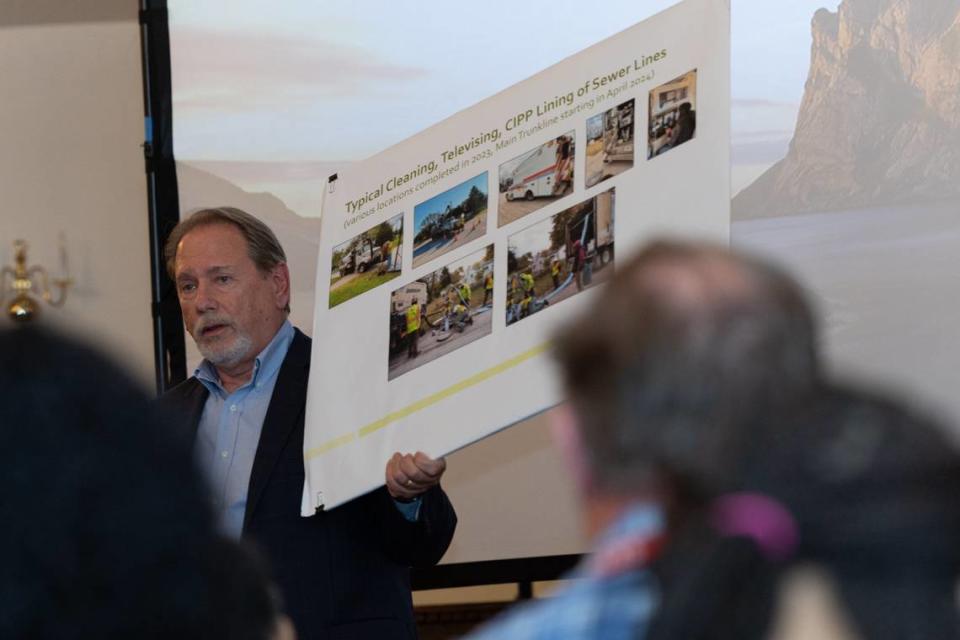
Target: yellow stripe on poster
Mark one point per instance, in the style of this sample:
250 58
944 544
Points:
330 445
429 400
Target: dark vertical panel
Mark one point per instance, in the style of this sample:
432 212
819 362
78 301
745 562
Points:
164 207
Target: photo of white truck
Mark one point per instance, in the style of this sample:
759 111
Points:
542 172
534 177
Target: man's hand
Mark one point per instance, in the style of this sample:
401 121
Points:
409 475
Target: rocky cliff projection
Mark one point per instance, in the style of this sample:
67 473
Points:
880 119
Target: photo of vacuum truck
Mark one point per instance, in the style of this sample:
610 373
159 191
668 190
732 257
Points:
450 219
594 229
366 260
359 259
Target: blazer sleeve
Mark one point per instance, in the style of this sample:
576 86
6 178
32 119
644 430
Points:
421 543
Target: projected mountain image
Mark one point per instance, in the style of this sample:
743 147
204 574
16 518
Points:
298 235
865 207
880 118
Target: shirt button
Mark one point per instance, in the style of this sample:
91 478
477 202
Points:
233 407
224 454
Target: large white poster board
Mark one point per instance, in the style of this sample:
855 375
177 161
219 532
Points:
447 261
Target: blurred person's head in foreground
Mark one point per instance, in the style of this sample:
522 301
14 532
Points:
106 529
694 384
664 375
684 345
855 485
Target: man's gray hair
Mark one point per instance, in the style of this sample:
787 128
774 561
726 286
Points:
262 245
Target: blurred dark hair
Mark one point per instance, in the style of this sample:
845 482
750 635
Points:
689 340
106 529
872 487
247 604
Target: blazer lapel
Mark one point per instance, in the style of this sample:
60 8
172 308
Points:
284 415
182 408
195 401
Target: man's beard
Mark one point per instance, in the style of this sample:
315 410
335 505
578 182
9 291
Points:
215 350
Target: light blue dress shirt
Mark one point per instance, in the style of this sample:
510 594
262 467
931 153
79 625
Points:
230 429
229 432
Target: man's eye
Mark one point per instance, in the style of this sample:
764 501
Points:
224 279
187 287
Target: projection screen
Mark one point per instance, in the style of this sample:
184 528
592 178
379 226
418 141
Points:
844 167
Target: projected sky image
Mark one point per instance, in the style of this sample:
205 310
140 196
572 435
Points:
274 99
316 85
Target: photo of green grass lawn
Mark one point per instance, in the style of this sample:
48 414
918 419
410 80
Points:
357 285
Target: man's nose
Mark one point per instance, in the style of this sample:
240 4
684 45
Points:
205 299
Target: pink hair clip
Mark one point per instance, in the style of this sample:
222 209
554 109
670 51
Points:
758 517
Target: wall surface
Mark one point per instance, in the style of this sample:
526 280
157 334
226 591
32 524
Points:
71 121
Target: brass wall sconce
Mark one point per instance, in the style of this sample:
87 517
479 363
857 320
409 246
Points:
35 280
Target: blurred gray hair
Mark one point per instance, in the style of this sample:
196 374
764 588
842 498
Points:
262 245
677 357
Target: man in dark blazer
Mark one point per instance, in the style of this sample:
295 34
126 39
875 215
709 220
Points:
343 573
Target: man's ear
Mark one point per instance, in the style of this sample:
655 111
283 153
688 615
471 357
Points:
565 428
280 279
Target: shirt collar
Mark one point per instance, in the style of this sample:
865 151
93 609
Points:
265 365
639 519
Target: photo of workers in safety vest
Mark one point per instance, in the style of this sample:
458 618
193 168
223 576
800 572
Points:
560 256
440 312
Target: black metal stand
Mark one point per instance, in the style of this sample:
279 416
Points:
521 571
163 202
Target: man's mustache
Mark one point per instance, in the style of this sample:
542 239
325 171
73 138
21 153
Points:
206 322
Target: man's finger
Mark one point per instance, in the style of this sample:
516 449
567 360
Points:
410 469
400 475
407 490
430 466
396 479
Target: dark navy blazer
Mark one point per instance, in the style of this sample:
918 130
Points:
344 573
